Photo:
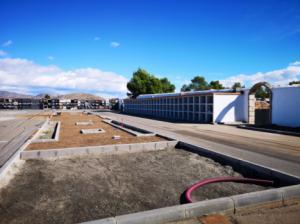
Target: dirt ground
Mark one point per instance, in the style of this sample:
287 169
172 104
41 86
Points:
87 188
70 135
289 214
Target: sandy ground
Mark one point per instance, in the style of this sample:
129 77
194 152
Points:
70 135
289 214
87 188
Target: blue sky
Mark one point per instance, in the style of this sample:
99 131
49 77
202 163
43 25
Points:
220 40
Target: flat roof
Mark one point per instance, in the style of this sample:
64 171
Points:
191 93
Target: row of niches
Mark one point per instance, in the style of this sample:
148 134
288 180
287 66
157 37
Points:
195 108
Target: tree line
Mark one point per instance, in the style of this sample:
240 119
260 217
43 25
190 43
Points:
142 82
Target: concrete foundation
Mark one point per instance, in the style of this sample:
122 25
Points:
84 123
92 131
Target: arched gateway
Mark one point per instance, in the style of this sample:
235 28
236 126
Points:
260 110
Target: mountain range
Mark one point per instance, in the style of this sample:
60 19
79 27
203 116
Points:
80 96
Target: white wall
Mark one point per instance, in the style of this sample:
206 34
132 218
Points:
286 106
244 105
229 108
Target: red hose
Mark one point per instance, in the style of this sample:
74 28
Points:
223 179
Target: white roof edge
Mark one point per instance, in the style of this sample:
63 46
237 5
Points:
147 96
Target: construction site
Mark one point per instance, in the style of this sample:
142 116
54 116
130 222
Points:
80 166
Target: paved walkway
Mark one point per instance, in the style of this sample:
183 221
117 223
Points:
276 151
14 131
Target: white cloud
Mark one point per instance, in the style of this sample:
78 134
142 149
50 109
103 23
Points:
96 38
278 77
51 58
17 73
3 53
114 44
7 43
296 63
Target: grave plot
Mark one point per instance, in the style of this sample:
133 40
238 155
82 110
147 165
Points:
49 132
92 187
70 133
92 131
84 123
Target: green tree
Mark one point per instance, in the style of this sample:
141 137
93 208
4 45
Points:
142 82
186 88
197 83
262 93
216 85
294 83
167 86
237 85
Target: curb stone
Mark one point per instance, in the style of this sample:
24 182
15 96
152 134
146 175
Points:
162 215
290 194
104 149
210 206
185 211
257 198
102 221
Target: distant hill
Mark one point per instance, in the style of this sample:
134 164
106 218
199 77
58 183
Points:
80 96
42 95
7 94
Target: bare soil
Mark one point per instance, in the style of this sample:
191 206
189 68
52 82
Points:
87 188
288 214
70 135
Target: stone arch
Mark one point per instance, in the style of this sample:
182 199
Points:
251 103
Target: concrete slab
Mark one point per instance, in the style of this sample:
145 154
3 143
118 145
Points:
92 131
84 123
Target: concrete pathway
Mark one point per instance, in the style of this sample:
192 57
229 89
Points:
14 132
280 152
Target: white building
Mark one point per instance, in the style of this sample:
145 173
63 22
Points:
218 106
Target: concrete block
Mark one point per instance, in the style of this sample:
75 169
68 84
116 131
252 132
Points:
155 216
150 146
102 221
209 206
172 143
136 147
75 151
92 131
123 148
84 123
290 194
65 152
29 155
107 149
57 131
161 145
47 153
257 198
